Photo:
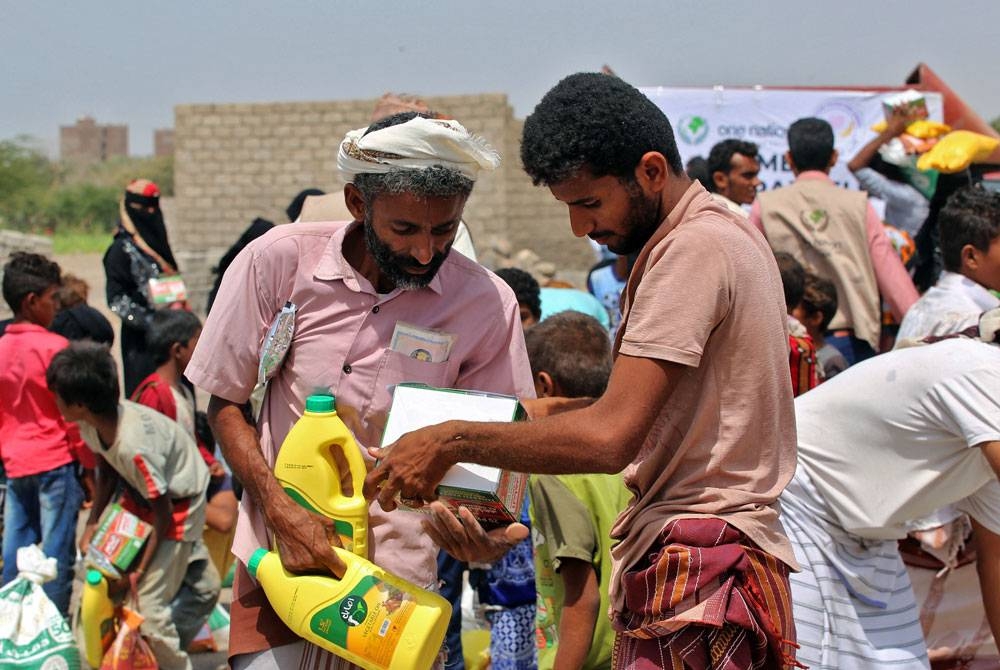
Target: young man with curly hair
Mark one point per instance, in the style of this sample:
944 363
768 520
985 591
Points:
698 410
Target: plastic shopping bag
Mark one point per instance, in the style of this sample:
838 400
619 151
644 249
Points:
129 651
214 634
33 633
956 151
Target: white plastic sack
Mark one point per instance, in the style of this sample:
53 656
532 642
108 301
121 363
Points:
33 634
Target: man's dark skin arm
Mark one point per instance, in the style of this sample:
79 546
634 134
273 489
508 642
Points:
988 552
303 538
603 437
581 607
896 124
163 510
107 481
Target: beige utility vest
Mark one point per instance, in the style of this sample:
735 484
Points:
823 226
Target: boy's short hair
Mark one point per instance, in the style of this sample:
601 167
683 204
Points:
575 350
820 295
971 216
26 273
810 141
84 373
525 288
793 278
169 327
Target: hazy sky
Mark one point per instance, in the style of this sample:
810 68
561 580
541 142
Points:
131 62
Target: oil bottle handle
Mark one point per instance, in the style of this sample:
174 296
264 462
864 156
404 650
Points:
359 469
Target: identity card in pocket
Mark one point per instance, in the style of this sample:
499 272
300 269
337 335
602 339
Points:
431 346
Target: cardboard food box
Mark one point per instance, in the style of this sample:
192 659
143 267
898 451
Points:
167 290
119 538
494 496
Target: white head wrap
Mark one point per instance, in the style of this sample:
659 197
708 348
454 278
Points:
416 144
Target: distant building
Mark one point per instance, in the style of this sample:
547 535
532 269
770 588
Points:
163 142
88 142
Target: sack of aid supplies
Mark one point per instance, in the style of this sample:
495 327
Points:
33 634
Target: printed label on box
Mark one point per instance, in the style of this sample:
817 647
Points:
119 538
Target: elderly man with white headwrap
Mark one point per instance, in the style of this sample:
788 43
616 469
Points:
358 292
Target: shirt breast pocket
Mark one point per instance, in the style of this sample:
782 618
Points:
396 368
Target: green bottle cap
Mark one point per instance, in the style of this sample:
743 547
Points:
321 403
255 560
94 577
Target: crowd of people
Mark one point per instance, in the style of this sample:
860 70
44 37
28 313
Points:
751 436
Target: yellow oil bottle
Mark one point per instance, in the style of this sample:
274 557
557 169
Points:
370 617
307 470
97 618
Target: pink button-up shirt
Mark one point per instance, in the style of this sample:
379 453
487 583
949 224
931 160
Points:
342 339
893 281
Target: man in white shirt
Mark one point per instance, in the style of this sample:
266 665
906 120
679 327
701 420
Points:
887 441
969 227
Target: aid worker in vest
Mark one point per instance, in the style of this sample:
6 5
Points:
837 235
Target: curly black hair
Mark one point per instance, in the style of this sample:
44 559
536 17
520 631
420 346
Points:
27 273
598 122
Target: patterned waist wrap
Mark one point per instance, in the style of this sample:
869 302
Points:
706 597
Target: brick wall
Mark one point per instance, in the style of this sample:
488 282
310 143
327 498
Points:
234 162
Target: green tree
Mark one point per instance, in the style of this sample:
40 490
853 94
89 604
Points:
84 207
996 124
26 178
38 195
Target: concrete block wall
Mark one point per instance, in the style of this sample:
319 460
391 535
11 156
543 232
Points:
234 162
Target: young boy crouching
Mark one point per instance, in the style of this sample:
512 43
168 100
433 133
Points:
164 480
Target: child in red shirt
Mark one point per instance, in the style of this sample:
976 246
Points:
39 449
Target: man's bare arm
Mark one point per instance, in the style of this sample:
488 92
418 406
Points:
303 538
988 552
107 482
896 124
603 437
988 567
581 608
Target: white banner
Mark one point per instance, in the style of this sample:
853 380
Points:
703 116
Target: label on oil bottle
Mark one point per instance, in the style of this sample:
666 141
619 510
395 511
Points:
368 621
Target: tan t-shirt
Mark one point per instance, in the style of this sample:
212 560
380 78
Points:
706 294
155 457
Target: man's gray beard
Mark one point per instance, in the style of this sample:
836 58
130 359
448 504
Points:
391 265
